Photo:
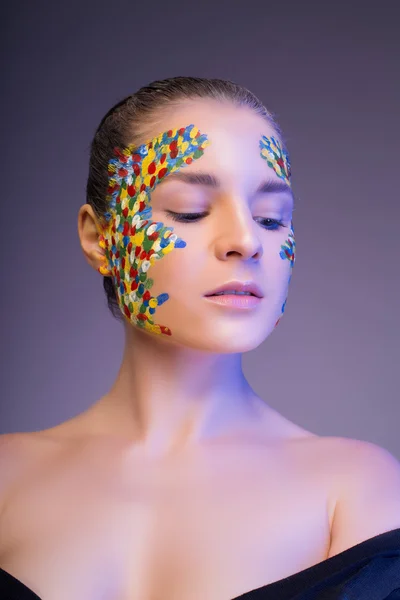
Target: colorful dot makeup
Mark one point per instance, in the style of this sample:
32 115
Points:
131 240
278 159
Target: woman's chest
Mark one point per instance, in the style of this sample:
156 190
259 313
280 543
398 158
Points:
213 531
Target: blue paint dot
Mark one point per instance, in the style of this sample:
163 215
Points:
162 298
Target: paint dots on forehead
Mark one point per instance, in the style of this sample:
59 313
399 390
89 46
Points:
277 158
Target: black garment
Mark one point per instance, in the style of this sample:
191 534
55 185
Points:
368 571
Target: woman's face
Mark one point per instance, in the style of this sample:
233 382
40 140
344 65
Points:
161 280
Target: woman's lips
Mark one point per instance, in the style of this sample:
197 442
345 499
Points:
239 301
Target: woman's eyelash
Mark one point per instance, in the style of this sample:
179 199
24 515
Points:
274 224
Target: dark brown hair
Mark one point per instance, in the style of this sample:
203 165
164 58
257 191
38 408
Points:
126 122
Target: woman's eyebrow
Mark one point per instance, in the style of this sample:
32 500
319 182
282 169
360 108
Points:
270 186
196 178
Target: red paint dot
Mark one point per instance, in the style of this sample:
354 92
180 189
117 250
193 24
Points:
165 330
152 168
162 172
131 190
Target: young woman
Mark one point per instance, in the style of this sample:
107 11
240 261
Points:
180 483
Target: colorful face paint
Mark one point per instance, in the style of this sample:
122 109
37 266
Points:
288 249
278 159
131 240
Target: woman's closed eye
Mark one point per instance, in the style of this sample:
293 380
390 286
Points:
270 224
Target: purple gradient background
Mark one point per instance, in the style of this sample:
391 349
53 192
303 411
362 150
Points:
330 74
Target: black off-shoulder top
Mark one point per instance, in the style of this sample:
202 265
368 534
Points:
368 571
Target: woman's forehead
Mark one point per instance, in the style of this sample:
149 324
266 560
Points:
229 128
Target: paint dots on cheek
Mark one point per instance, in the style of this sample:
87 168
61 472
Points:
288 249
133 242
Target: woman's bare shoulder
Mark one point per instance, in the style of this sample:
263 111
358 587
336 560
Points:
14 457
345 447
13 452
20 453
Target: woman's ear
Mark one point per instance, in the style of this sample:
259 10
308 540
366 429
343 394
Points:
92 240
